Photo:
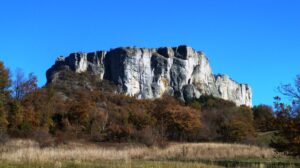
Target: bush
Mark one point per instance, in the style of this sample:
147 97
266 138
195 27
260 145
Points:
63 137
4 137
119 133
263 118
147 136
43 138
24 130
140 119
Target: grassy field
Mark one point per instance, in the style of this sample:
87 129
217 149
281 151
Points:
110 164
27 153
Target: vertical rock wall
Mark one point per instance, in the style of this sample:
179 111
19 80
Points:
149 73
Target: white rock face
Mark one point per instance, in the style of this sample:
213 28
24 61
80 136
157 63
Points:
241 94
150 73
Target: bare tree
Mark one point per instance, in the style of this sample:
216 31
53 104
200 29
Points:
23 86
17 83
288 120
293 92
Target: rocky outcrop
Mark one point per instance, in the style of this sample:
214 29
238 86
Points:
150 73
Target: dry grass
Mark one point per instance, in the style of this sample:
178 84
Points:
111 164
29 151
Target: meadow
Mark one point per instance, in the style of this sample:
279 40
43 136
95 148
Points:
28 153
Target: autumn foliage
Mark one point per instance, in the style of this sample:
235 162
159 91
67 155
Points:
79 106
287 138
176 121
264 118
224 121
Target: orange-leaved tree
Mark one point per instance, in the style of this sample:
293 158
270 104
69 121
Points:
176 121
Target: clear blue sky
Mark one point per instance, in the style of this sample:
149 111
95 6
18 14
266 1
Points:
253 41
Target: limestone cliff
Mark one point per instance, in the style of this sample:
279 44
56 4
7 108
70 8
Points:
149 73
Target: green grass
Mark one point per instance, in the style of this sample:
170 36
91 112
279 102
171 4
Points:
109 164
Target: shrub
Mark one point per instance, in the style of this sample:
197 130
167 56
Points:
43 138
61 137
119 133
147 136
4 137
25 126
140 119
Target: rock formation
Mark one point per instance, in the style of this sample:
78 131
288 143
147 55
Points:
149 73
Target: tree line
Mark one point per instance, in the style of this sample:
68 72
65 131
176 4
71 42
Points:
71 110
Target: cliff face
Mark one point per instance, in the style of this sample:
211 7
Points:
150 73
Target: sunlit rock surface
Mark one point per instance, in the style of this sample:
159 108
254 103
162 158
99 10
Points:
150 73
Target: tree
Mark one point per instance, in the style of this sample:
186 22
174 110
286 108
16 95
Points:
176 121
26 91
79 113
17 83
45 106
292 92
98 120
5 83
288 120
224 121
140 118
234 131
237 126
263 118
15 116
23 86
